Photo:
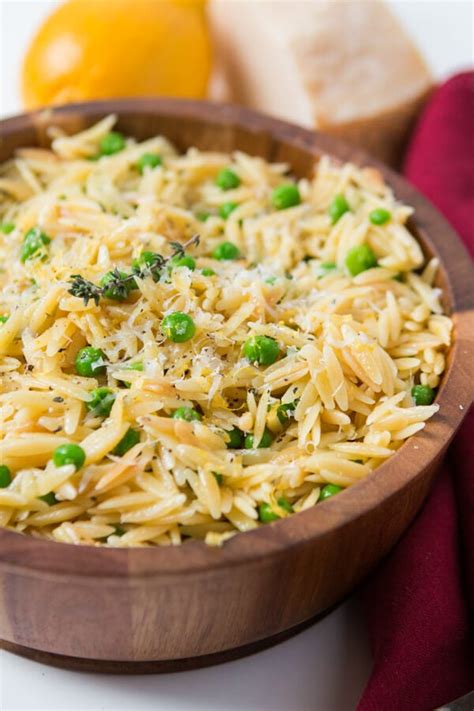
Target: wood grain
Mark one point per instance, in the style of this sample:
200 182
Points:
164 666
170 604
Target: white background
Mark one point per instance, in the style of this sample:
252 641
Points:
324 668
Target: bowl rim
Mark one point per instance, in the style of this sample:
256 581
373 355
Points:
31 555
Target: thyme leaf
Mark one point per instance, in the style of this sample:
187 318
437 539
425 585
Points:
84 289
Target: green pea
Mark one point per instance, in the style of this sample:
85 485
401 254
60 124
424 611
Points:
285 196
147 260
284 412
112 142
226 209
182 261
266 441
129 440
285 505
359 259
271 280
144 260
148 160
398 277
203 216
3 319
135 366
329 490
5 476
423 394
101 402
49 498
119 530
7 227
325 268
117 291
69 454
34 241
338 207
187 413
226 251
227 180
178 327
235 438
379 216
263 350
219 478
207 272
90 362
266 514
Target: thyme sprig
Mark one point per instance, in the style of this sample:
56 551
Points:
84 289
121 284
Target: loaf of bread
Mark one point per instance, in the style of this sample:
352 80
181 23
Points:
346 68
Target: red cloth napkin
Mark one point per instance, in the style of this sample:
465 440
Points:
419 601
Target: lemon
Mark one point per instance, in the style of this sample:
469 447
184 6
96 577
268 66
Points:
92 49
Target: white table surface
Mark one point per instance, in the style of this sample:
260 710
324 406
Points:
324 668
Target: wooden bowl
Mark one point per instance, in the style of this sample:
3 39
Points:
155 609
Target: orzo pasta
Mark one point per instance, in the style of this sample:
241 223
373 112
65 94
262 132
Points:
157 387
